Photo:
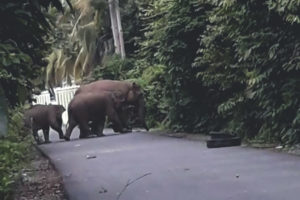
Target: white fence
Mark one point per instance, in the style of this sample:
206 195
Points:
63 97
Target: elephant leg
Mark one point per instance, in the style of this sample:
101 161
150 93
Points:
124 117
100 127
72 124
36 136
145 125
94 128
141 112
59 130
57 127
46 135
81 133
35 130
117 125
115 129
84 130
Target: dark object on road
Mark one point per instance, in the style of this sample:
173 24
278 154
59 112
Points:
91 156
43 117
222 139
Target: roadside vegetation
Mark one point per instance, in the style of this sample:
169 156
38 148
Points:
204 65
15 151
23 32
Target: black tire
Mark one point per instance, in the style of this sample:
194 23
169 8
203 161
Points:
223 142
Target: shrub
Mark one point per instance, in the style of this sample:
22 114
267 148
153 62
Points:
14 149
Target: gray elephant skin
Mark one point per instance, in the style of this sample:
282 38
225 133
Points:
131 91
43 117
94 107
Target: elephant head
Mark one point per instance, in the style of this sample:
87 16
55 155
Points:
118 99
134 93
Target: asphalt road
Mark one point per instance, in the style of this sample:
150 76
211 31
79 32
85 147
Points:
143 166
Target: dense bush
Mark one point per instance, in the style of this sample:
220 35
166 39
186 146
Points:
170 39
113 67
250 58
14 149
215 65
212 65
23 31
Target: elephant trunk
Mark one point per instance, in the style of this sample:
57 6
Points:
142 112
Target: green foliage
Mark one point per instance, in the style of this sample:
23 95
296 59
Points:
12 60
288 9
211 65
156 106
3 114
131 24
23 30
253 65
14 149
113 67
78 43
170 39
221 65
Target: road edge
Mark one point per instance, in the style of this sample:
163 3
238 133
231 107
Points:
66 195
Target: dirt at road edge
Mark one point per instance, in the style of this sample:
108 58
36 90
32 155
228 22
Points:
40 181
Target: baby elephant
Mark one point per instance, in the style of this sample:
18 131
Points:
42 117
94 107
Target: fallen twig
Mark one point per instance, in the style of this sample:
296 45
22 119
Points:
129 183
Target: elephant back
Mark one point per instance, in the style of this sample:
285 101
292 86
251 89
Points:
36 113
42 114
105 85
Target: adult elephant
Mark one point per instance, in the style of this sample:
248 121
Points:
43 117
131 91
94 107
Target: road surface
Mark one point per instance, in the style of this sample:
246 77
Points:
143 166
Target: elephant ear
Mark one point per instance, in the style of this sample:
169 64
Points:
135 87
117 97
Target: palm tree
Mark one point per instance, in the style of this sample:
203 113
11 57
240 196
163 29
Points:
87 43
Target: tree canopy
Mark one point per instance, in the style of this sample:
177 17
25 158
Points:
23 32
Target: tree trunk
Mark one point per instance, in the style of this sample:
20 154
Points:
114 25
120 30
3 114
